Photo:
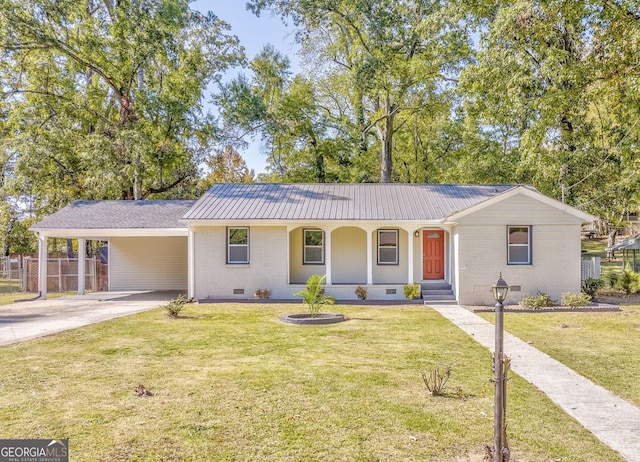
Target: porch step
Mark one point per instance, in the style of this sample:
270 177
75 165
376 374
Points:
431 297
435 286
437 293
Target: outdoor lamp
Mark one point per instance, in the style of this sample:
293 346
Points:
500 289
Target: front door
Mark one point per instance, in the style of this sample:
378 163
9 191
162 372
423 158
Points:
433 254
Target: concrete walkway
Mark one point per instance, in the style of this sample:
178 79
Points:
27 320
611 419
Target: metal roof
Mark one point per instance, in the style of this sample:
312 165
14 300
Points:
365 201
632 243
117 215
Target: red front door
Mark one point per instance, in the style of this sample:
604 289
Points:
433 254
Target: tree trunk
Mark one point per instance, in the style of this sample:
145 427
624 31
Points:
385 134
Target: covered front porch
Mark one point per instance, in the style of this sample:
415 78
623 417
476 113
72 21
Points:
381 259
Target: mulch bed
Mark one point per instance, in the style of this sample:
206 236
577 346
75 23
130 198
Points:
551 309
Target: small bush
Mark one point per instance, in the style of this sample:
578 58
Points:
611 279
313 296
574 300
412 291
436 380
262 294
629 280
361 293
591 286
540 300
175 306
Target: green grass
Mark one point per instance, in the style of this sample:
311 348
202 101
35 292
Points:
596 248
604 347
232 383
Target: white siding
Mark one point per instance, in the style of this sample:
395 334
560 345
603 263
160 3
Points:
267 268
349 252
148 263
520 210
391 274
299 271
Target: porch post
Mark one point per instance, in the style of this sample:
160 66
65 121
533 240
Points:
82 246
42 266
410 246
327 262
191 264
369 256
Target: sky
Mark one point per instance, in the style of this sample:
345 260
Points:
253 32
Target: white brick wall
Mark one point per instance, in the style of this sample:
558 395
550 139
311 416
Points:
267 268
483 255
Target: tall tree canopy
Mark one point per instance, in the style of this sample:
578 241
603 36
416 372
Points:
103 98
377 64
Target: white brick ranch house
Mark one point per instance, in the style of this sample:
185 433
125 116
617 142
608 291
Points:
237 238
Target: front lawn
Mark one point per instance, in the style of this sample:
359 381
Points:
232 383
604 347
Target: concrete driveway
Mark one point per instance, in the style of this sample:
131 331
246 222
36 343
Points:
27 320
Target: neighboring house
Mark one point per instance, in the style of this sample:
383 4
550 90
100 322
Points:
454 239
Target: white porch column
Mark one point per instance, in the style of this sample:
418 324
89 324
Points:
410 247
42 266
327 263
191 264
82 247
369 232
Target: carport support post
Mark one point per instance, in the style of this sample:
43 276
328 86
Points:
42 266
82 246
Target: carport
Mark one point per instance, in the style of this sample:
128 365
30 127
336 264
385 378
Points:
148 247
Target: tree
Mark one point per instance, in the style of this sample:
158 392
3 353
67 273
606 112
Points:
549 89
284 113
228 166
388 60
104 98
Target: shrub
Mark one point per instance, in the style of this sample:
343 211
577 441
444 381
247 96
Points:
175 306
314 295
612 279
361 293
262 294
629 280
574 300
412 291
591 286
436 380
540 300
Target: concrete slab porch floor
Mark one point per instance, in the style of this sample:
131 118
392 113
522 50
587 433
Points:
611 419
37 318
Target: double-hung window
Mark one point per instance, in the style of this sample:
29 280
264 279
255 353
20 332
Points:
387 247
313 252
237 245
519 245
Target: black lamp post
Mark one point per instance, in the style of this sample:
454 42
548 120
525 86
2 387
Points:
500 289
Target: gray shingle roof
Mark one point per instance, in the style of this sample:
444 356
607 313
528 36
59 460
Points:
117 215
380 202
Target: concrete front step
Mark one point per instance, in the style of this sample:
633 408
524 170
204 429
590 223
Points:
435 286
440 302
430 297
437 292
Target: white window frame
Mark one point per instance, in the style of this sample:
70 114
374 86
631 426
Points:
305 246
528 246
230 246
396 246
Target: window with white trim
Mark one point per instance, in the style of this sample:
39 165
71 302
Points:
237 245
519 245
387 247
313 243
